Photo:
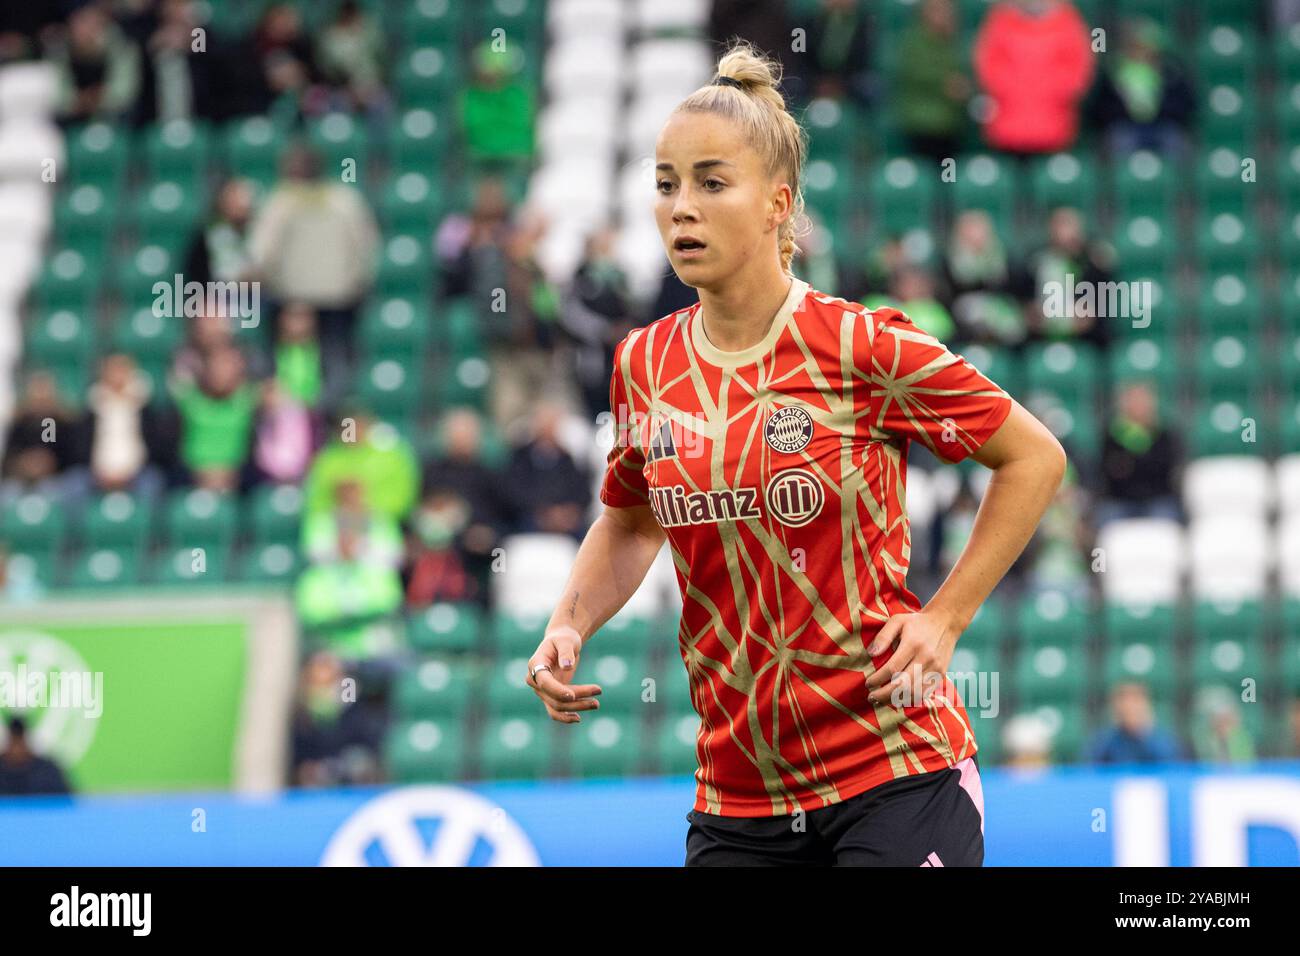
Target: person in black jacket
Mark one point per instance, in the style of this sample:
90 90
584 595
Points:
23 772
1140 461
1143 100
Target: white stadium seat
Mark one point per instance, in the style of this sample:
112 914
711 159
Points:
1230 557
1227 484
535 569
1286 479
1288 554
653 16
1144 560
28 90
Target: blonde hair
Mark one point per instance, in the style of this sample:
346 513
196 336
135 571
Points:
758 106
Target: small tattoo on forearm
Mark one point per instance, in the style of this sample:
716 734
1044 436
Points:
573 605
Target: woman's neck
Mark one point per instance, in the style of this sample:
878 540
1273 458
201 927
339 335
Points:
740 314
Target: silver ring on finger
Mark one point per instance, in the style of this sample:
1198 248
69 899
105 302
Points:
534 671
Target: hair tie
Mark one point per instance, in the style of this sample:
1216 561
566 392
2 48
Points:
729 81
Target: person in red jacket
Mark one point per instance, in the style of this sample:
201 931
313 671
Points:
1034 60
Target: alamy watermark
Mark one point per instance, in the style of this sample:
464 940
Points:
26 689
179 298
1104 300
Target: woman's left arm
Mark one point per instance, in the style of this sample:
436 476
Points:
1028 464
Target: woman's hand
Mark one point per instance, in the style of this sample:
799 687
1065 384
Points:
559 651
923 643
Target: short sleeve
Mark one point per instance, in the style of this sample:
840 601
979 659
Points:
624 485
922 391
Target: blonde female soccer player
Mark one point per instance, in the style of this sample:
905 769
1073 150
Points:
763 432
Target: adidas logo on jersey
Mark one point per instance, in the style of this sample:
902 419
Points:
676 506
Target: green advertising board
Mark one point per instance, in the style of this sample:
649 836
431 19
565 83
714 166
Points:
154 695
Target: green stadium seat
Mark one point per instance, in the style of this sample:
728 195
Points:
1051 617
445 626
338 137
1051 673
1064 179
1146 360
147 336
1229 118
410 204
1129 623
1246 621
199 518
1144 244
426 76
985 182
84 219
1147 662
987 628
904 192
1286 53
1226 53
60 337
828 190
518 749
419 142
621 677
107 568
1230 367
177 150
397 325
1220 183
433 21
271 563
251 148
972 662
508 693
146 266
424 751
33 521
674 744
191 565
1068 721
98 153
36 565
390 386
1290 426
434 689
1221 427
1145 186
1066 370
69 280
118 520
274 514
1230 302
1001 365
630 634
606 745
517 633
1226 662
167 212
404 266
1225 244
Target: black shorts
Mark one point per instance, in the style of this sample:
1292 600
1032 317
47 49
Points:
931 819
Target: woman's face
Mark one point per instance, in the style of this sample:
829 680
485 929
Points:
714 188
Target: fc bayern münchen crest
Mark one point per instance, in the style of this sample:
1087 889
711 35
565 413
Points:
789 430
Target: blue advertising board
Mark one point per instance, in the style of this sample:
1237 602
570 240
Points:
1184 816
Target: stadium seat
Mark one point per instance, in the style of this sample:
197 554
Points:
1225 428
191 565
536 567
1051 617
1065 179
1231 368
117 519
397 325
424 750
903 191
98 154
1049 673
517 749
446 627
1233 484
176 150
33 521
270 563
273 514
675 744
106 568
436 689
606 745
199 518
1144 186
1147 662
1144 560
1229 556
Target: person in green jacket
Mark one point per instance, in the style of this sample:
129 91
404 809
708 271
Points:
931 86
216 413
373 454
497 109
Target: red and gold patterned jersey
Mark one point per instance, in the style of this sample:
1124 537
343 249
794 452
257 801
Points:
778 475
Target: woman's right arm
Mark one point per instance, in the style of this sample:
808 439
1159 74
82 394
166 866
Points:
611 564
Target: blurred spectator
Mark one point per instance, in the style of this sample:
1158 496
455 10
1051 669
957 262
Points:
316 241
1034 60
298 358
1218 735
839 49
1068 259
768 26
1140 461
597 314
120 428
913 290
216 413
371 453
521 338
22 26
346 601
286 57
552 492
23 772
464 502
335 742
437 571
1027 743
378 538
931 87
352 55
45 447
1055 556
284 438
1134 736
219 251
981 279
209 333
471 246
178 81
1143 100
497 108
98 68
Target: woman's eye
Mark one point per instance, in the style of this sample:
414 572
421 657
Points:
663 185
711 183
